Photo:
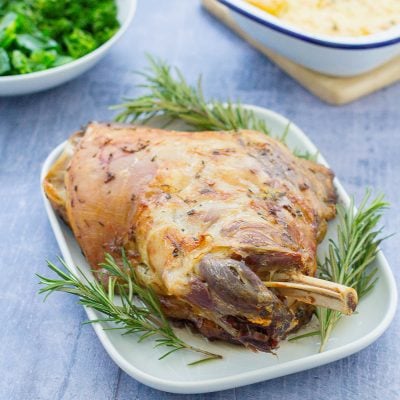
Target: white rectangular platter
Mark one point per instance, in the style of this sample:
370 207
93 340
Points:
239 366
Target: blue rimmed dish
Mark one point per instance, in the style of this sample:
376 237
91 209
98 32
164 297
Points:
336 56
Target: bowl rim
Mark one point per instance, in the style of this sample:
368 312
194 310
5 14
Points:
79 61
381 39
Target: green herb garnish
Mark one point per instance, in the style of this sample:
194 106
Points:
172 97
350 256
139 311
39 34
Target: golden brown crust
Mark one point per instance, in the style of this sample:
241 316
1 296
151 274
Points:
180 195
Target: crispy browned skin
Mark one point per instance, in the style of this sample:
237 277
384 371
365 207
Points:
202 215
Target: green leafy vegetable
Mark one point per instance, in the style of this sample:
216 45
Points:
35 42
61 60
8 28
43 59
144 318
20 62
41 34
79 43
5 65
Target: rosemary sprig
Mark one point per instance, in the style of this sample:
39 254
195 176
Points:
144 318
350 256
171 96
356 246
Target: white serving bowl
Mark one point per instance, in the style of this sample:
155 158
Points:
36 81
337 56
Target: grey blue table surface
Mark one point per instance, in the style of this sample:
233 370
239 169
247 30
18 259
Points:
45 352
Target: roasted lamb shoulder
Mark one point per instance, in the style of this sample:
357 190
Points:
223 226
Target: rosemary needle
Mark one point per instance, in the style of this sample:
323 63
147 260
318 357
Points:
145 319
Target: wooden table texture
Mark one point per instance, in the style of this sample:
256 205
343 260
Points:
45 351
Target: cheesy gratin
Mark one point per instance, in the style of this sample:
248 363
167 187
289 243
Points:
335 17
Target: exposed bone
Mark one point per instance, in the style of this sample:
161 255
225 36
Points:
315 291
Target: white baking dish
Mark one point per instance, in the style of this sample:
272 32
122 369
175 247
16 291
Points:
337 56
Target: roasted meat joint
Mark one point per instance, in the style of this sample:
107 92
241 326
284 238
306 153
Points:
223 226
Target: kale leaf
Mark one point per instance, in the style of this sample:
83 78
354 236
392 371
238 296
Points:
39 34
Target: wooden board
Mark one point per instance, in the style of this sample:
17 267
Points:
330 89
